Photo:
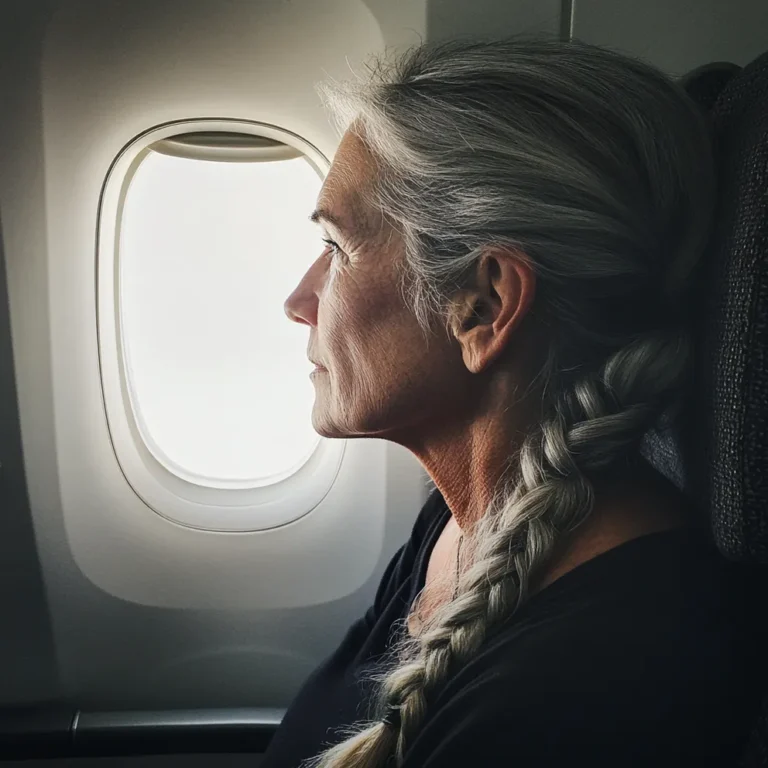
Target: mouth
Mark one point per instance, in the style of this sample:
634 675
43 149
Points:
318 368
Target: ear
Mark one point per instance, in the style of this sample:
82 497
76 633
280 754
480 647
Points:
485 317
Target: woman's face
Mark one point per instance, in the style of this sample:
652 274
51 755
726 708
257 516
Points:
376 374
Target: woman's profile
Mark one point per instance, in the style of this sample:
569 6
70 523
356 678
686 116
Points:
511 230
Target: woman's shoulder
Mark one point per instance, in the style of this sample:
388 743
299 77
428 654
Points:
663 604
619 659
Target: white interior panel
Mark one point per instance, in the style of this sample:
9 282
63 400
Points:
149 560
147 612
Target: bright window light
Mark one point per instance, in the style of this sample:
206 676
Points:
217 375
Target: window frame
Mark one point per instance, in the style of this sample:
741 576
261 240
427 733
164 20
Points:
170 495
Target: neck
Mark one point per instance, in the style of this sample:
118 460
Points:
467 458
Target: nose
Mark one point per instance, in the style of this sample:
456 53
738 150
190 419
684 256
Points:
301 305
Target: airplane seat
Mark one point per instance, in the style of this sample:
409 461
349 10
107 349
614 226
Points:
705 84
717 451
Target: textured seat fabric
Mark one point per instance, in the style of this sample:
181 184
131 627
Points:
734 344
717 451
740 335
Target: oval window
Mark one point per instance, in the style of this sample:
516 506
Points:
214 235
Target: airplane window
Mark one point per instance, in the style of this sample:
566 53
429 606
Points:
217 377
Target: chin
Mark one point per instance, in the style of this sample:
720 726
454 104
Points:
334 429
338 423
350 417
325 424
324 429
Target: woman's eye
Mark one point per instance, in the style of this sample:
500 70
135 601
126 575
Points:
333 248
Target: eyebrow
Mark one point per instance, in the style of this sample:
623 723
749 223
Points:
357 222
322 214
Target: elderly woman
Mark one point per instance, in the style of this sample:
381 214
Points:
510 231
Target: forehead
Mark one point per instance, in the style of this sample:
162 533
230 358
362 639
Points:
341 201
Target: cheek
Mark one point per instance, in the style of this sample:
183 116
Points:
360 345
374 347
383 375
387 359
335 323
352 320
364 338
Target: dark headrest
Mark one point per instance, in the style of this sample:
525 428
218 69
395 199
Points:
734 342
718 451
705 84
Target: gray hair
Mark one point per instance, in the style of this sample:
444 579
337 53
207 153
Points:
597 168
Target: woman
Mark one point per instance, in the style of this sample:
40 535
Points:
510 231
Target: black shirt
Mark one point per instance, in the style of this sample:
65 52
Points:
634 658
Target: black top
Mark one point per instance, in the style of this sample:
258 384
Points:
634 658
